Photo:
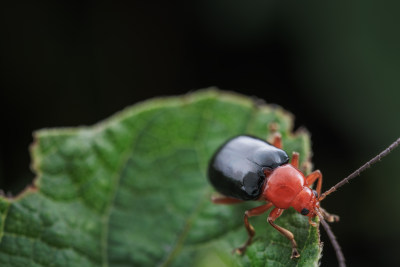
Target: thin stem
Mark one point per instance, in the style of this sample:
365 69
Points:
361 169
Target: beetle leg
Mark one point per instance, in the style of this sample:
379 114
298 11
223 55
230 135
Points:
329 217
305 166
312 177
277 140
310 221
275 213
225 200
250 230
295 159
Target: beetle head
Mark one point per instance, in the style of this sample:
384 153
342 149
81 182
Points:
306 201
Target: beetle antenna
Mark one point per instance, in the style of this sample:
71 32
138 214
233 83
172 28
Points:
361 169
332 238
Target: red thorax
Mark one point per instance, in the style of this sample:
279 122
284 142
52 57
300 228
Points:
286 187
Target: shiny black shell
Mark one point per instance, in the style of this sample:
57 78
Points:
237 168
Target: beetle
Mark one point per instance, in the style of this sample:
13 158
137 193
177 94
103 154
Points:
248 168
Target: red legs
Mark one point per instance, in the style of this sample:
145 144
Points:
275 213
225 200
312 177
250 230
277 141
295 160
249 213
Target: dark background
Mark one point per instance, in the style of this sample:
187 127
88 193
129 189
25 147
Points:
335 66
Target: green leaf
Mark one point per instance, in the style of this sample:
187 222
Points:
132 191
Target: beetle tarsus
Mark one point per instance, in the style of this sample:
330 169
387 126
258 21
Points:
313 224
275 213
329 217
240 250
295 253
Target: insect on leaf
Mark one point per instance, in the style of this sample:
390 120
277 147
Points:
133 191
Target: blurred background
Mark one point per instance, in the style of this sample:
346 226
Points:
335 66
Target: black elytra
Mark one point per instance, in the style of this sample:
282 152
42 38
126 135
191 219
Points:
237 168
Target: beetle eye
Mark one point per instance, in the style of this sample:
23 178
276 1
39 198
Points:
315 193
304 211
